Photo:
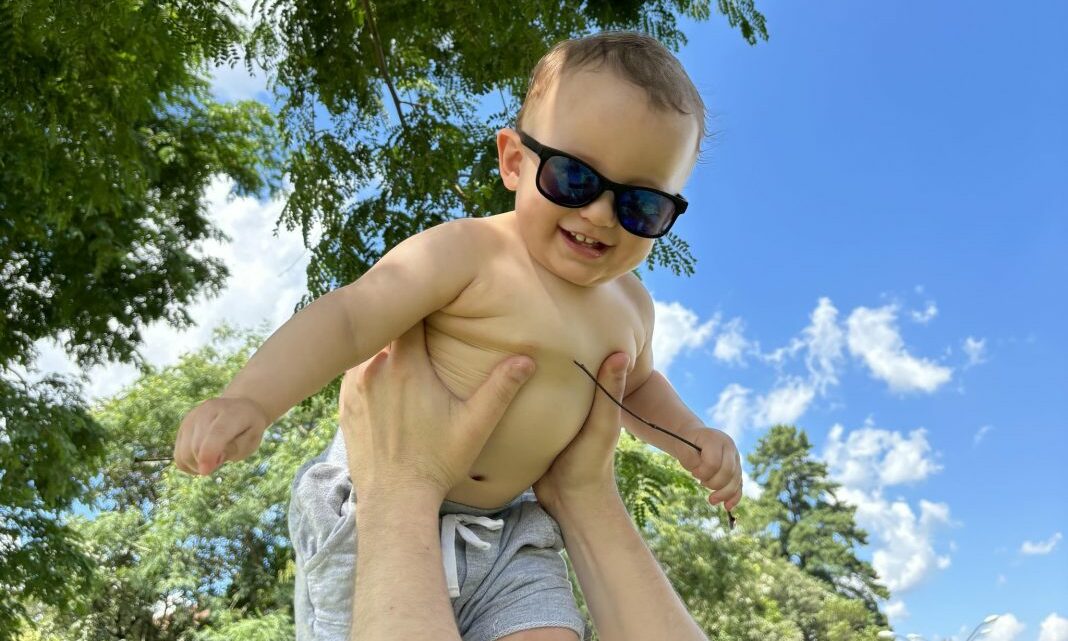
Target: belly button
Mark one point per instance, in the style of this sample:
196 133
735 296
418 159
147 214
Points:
478 477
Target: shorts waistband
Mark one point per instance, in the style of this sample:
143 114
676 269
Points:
452 507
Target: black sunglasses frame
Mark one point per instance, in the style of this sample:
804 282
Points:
544 153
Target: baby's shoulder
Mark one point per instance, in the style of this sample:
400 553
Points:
632 288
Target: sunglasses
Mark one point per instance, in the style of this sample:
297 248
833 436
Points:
567 181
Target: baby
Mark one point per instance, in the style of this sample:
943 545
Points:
605 140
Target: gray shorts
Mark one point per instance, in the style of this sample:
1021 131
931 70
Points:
502 565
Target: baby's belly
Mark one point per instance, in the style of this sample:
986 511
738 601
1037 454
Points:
545 415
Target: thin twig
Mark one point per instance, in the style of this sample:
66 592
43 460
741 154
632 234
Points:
621 406
163 459
377 41
730 517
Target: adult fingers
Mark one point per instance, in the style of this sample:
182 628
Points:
359 376
604 413
410 345
489 402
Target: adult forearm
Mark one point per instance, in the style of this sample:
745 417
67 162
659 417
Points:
628 594
400 583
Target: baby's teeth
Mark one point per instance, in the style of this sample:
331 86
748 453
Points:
583 239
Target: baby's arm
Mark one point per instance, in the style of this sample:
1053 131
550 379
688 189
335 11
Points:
655 400
649 395
349 325
335 332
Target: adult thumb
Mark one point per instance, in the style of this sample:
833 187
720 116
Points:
487 405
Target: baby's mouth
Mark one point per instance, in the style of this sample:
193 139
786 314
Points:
587 245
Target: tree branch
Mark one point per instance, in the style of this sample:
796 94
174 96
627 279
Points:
376 40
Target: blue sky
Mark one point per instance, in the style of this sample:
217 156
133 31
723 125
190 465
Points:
880 227
907 162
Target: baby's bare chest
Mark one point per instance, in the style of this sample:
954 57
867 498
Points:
520 313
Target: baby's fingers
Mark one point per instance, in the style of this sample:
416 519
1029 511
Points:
184 456
725 494
222 438
716 469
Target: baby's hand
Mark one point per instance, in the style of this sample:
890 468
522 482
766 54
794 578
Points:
718 466
217 430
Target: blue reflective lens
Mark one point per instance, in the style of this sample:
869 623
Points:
645 213
569 181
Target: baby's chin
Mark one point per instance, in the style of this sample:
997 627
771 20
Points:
587 278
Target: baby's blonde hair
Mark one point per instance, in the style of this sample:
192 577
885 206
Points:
637 58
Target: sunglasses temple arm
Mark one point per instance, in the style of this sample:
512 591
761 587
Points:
730 517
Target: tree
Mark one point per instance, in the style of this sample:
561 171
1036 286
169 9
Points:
802 520
108 137
178 557
734 588
174 554
390 109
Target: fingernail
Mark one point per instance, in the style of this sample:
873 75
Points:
522 369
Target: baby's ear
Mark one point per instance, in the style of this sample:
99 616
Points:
509 157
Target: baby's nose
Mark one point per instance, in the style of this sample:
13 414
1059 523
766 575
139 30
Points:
600 212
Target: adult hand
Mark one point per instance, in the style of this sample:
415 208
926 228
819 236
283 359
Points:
585 470
404 430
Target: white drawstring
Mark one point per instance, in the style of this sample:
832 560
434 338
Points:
450 525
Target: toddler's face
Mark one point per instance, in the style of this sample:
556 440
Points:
607 123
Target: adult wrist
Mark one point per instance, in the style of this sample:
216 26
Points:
408 498
571 502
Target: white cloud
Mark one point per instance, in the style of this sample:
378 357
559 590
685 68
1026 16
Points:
237 82
267 279
676 328
896 611
870 335
784 353
975 349
784 404
1006 628
824 340
983 431
874 458
750 488
905 556
873 337
923 317
731 345
865 462
732 412
737 410
1054 628
1041 547
1002 580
